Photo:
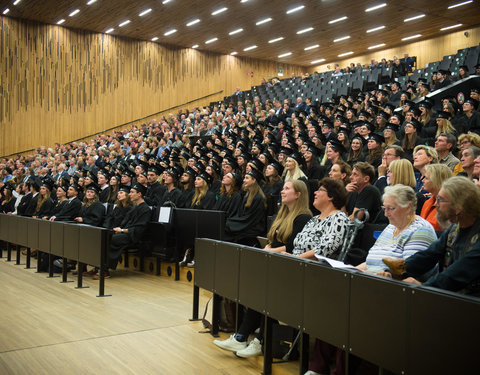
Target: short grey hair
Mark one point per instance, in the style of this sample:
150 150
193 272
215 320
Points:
403 195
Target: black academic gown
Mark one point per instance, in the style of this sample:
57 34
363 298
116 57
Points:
272 194
116 216
154 194
70 210
230 205
103 195
58 208
8 207
185 199
170 196
46 209
32 206
24 202
248 224
135 222
206 203
93 214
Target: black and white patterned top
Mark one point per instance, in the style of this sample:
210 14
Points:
325 236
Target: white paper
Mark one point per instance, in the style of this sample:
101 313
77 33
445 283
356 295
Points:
335 263
164 215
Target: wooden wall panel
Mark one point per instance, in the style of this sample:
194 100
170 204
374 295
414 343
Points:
58 85
427 51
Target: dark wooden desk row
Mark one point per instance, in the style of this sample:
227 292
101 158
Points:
398 326
82 243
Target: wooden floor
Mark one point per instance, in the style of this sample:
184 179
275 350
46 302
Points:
47 327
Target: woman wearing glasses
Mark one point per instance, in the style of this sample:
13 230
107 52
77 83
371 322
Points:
406 233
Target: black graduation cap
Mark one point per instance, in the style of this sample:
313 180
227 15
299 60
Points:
400 117
472 102
35 182
444 72
390 106
279 167
258 164
63 187
475 89
379 138
423 80
140 189
285 150
124 188
416 124
410 103
337 146
360 138
93 186
464 67
48 183
173 172
426 104
206 177
443 114
383 114
364 114
76 187
415 111
128 172
426 86
297 157
393 127
154 169
383 92
189 170
200 168
257 175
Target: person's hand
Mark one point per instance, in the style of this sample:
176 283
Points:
285 253
267 247
412 281
78 220
351 187
384 274
382 168
117 230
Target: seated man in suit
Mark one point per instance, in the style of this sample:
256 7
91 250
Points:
132 228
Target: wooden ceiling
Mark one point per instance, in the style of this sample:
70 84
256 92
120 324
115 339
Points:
175 14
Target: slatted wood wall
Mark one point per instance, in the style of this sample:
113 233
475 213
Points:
427 51
58 84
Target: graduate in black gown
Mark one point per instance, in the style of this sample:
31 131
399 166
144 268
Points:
187 188
92 211
230 199
203 199
45 203
62 201
250 222
7 200
172 193
273 186
155 190
123 206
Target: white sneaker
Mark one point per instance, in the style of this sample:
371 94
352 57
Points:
230 344
253 349
310 372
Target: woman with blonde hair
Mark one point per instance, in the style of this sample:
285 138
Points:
45 204
435 175
203 199
293 170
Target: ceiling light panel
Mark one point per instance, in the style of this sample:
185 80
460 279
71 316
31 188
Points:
379 6
249 48
265 20
302 31
218 11
377 46
376 29
76 11
276 39
414 18
145 12
338 20
284 54
412 37
450 27
317 61
345 54
235 31
311 47
211 40
124 23
455 5
341 39
193 22
170 32
296 9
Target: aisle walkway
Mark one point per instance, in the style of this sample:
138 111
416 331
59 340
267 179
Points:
51 328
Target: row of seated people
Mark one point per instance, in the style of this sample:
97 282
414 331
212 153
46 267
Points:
407 249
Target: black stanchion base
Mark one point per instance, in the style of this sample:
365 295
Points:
104 295
66 281
82 287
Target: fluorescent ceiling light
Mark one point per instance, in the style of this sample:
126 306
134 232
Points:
109 30
345 54
6 11
450 27
249 48
342 38
414 18
166 1
376 46
195 46
284 54
296 9
211 40
451 6
74 12
375 29
276 39
233 53
126 22
412 37
235 31
305 30
17 1
170 32
91 2
338 20
193 22
218 11
311 47
243 1
146 11
376 7
265 20
317 61
60 21
154 38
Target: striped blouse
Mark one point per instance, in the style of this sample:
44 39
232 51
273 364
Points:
416 237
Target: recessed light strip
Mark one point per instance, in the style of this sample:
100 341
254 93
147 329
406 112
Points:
218 11
170 32
338 20
451 27
284 54
211 40
276 39
126 22
311 47
317 61
193 22
412 37
154 38
74 12
265 20
109 30
249 48
195 46
377 46
233 53
296 9
91 2
305 30
16 2
235 31
345 54
414 18
6 11
371 9
455 5
146 11
342 38
59 22
376 29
